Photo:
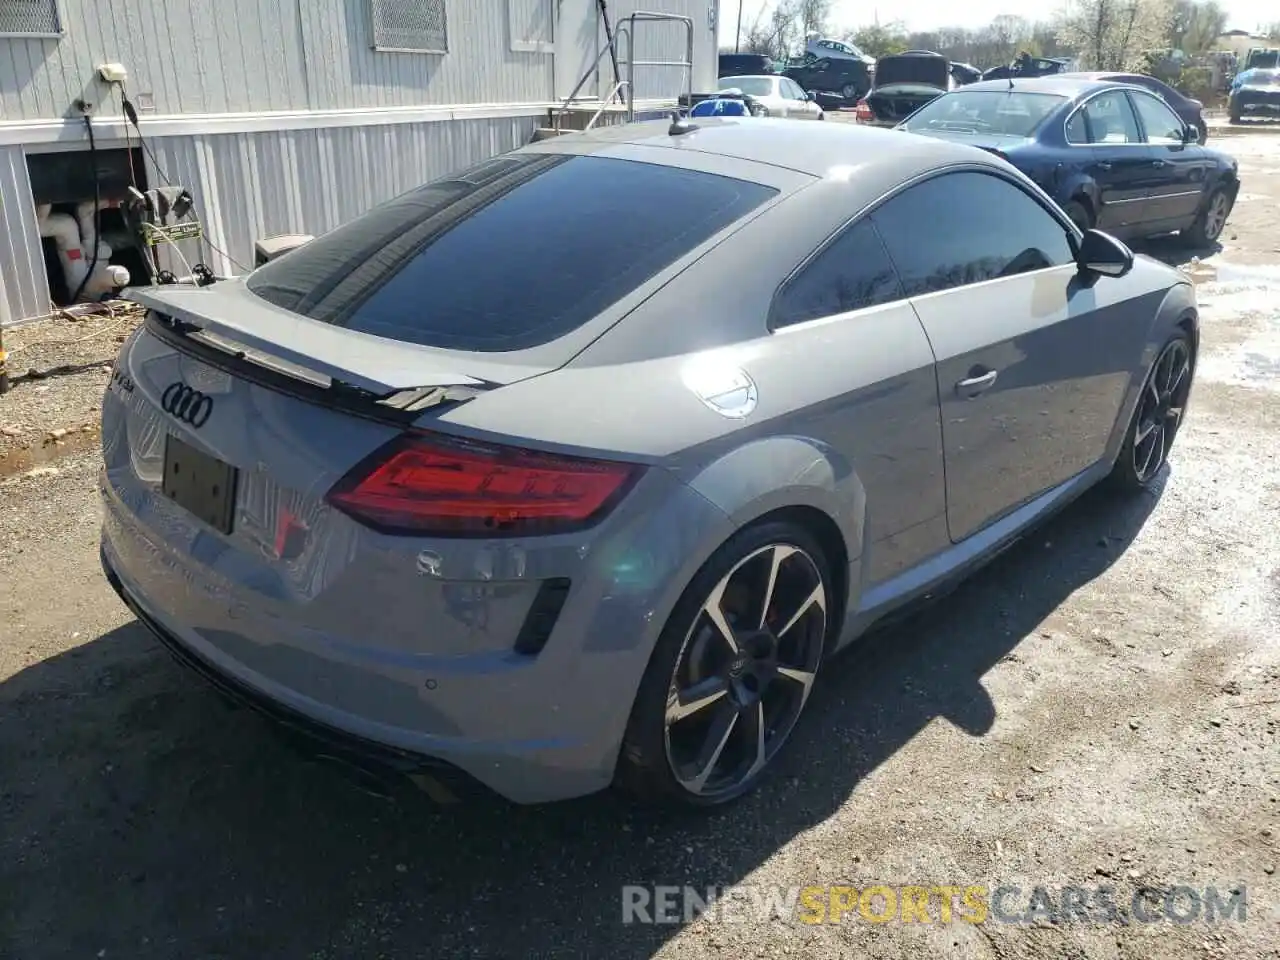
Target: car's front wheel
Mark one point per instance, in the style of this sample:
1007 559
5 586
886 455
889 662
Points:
732 670
1157 417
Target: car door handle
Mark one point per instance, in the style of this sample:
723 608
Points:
1104 165
1157 163
972 386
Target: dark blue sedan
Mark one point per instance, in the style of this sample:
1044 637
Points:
1114 156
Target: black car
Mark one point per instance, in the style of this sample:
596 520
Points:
1191 111
1255 93
744 65
904 83
1027 66
846 79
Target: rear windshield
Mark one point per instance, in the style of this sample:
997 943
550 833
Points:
751 86
1013 113
509 255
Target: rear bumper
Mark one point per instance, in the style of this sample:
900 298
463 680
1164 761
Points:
374 764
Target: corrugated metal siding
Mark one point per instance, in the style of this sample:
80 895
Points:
248 186
666 41
239 56
24 290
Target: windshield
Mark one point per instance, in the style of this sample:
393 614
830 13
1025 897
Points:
509 255
1008 112
751 86
1259 78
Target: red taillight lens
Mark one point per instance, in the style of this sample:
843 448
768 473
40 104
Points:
862 111
433 485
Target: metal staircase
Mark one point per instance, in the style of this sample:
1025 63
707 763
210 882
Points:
619 105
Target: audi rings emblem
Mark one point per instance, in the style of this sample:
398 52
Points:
186 404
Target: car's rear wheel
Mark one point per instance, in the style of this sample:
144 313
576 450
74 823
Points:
1079 214
1208 226
849 91
732 670
1157 417
1234 114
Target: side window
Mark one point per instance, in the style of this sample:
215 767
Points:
1159 122
963 228
1110 120
1077 129
851 273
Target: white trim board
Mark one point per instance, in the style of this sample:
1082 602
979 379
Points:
71 130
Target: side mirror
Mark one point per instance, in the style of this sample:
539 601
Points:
1190 134
810 95
1103 254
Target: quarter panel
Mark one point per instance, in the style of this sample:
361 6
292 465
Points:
846 411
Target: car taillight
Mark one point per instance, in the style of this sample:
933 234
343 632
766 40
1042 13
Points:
428 484
862 112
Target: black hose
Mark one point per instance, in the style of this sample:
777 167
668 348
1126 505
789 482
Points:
97 203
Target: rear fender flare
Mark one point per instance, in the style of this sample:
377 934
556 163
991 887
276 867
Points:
781 472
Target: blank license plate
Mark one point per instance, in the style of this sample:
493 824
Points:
199 483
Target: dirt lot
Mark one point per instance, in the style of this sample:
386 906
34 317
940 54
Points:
1098 707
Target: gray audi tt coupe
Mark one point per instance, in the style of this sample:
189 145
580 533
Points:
573 468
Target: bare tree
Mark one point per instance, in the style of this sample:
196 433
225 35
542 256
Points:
1196 25
1115 34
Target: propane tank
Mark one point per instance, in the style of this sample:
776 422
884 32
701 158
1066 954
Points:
64 230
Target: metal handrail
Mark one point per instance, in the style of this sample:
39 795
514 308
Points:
626 28
613 91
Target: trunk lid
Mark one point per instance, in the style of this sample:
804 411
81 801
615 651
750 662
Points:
227 316
914 68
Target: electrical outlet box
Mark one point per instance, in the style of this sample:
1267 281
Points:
113 72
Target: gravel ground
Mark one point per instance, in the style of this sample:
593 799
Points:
58 368
1100 706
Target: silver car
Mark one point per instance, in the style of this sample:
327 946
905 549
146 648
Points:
775 96
573 468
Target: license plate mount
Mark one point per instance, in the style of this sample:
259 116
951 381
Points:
202 485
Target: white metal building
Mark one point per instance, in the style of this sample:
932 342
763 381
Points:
291 116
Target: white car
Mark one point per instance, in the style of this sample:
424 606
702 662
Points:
780 96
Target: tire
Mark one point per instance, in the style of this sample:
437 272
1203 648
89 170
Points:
739 692
1079 214
849 92
1161 407
1210 221
1233 114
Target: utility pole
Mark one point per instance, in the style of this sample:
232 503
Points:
737 40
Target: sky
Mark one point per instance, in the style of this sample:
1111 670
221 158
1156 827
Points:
928 14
